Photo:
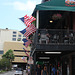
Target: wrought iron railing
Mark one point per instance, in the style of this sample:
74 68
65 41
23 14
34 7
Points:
54 36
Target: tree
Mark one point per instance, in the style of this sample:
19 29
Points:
4 63
9 55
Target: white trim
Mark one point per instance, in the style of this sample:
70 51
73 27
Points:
37 19
52 52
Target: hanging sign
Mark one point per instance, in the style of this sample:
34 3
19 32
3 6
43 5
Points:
70 3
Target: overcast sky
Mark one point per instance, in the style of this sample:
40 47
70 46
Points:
11 10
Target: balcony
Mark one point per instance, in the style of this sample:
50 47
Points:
53 39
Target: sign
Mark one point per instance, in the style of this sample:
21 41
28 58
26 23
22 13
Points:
30 61
70 2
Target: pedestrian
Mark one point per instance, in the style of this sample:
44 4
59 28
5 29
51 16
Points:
44 71
38 70
54 70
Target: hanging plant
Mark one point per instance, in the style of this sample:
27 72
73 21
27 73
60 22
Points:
56 16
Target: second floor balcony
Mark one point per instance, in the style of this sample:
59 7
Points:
54 36
54 39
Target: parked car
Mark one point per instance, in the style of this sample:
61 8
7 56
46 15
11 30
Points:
18 71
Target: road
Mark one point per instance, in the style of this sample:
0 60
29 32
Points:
11 73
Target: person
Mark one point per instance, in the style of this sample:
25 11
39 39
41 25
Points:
54 70
38 70
44 71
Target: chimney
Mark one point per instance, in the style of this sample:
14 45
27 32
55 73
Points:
7 28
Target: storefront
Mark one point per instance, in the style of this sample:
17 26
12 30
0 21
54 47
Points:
55 23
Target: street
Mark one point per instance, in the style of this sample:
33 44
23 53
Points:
11 73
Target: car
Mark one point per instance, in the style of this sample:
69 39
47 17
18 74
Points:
18 71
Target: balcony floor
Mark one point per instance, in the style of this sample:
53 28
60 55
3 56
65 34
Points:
55 47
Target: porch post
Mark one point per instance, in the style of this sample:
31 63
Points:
37 19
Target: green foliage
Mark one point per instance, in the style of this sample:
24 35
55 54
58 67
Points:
4 63
34 22
9 55
2 71
18 39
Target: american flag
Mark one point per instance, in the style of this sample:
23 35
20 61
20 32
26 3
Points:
22 19
23 58
26 42
28 30
26 52
28 20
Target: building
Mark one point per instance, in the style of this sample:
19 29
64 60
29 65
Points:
12 39
54 41
10 35
1 50
18 51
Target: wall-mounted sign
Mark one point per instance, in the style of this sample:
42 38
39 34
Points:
70 2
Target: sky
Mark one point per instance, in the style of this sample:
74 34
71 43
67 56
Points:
12 10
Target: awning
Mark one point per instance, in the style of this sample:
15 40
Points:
54 5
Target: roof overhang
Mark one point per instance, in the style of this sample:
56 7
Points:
58 5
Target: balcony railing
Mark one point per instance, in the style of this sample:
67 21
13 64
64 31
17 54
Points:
54 36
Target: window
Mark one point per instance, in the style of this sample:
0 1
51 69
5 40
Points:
14 32
19 35
14 39
14 35
19 39
1 52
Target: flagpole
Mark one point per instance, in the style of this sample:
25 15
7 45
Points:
33 52
37 19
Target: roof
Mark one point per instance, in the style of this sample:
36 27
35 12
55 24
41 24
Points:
55 5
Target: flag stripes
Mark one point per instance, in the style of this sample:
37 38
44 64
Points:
26 52
28 20
29 30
